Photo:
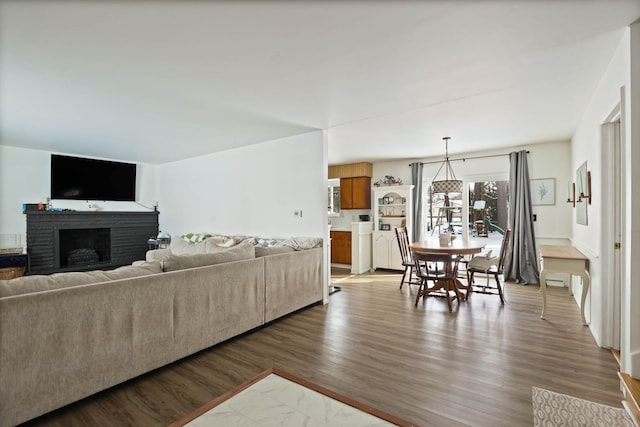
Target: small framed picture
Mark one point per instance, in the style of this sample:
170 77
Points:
381 201
543 191
385 227
385 200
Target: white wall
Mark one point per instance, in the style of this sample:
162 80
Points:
546 160
254 190
25 177
587 144
586 147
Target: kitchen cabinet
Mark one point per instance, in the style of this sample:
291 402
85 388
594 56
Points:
341 247
361 246
386 252
355 193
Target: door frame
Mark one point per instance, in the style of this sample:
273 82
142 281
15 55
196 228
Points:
613 217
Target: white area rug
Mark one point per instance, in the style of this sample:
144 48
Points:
276 398
555 409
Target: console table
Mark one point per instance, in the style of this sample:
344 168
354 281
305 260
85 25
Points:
563 259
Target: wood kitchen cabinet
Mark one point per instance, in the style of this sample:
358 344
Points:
341 247
355 193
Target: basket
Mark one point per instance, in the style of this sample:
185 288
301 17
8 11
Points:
11 272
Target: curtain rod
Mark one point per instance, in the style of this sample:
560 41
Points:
464 159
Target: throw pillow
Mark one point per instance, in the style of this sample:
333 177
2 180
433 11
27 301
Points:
302 243
218 243
195 237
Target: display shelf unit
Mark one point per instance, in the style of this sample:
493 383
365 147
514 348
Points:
392 208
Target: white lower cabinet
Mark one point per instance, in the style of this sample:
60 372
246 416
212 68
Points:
386 252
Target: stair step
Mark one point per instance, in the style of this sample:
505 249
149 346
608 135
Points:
631 388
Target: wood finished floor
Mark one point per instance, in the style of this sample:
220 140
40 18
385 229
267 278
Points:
472 367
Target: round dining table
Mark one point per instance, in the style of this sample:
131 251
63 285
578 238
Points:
457 247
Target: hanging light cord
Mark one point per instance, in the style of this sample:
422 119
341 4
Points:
448 169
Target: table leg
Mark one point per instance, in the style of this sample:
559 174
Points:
459 286
543 290
586 282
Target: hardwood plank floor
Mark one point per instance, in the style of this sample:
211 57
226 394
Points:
472 367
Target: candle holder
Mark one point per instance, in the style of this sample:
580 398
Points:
586 196
572 198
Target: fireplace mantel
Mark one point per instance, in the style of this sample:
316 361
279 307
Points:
122 238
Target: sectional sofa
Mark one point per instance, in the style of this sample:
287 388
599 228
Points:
66 336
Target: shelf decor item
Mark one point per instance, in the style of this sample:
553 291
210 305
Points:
388 180
449 185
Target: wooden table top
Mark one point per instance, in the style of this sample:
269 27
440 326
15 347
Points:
457 247
558 251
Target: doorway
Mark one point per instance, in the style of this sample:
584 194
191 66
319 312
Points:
612 220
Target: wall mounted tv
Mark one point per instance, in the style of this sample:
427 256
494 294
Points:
81 178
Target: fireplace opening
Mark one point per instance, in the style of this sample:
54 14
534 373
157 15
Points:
84 246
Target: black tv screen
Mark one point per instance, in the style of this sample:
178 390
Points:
81 178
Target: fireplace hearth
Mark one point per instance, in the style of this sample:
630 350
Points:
80 241
84 246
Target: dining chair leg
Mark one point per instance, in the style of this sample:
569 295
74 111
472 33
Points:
421 290
499 288
404 275
469 285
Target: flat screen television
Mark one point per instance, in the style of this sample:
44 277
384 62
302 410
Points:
81 178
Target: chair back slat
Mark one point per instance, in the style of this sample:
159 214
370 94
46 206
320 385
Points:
403 243
436 265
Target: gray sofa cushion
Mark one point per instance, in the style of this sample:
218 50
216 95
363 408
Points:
236 253
182 247
272 250
39 283
158 254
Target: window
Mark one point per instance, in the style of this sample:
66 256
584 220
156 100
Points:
333 197
488 207
487 210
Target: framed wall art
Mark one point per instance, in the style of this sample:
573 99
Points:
543 191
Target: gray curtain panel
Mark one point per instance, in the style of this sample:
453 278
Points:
521 264
416 177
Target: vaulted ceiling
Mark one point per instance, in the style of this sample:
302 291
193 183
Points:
159 81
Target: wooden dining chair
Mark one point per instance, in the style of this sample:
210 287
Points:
495 267
408 276
439 268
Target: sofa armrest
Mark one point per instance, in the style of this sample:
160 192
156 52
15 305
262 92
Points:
158 254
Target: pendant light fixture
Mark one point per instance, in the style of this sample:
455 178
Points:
450 185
